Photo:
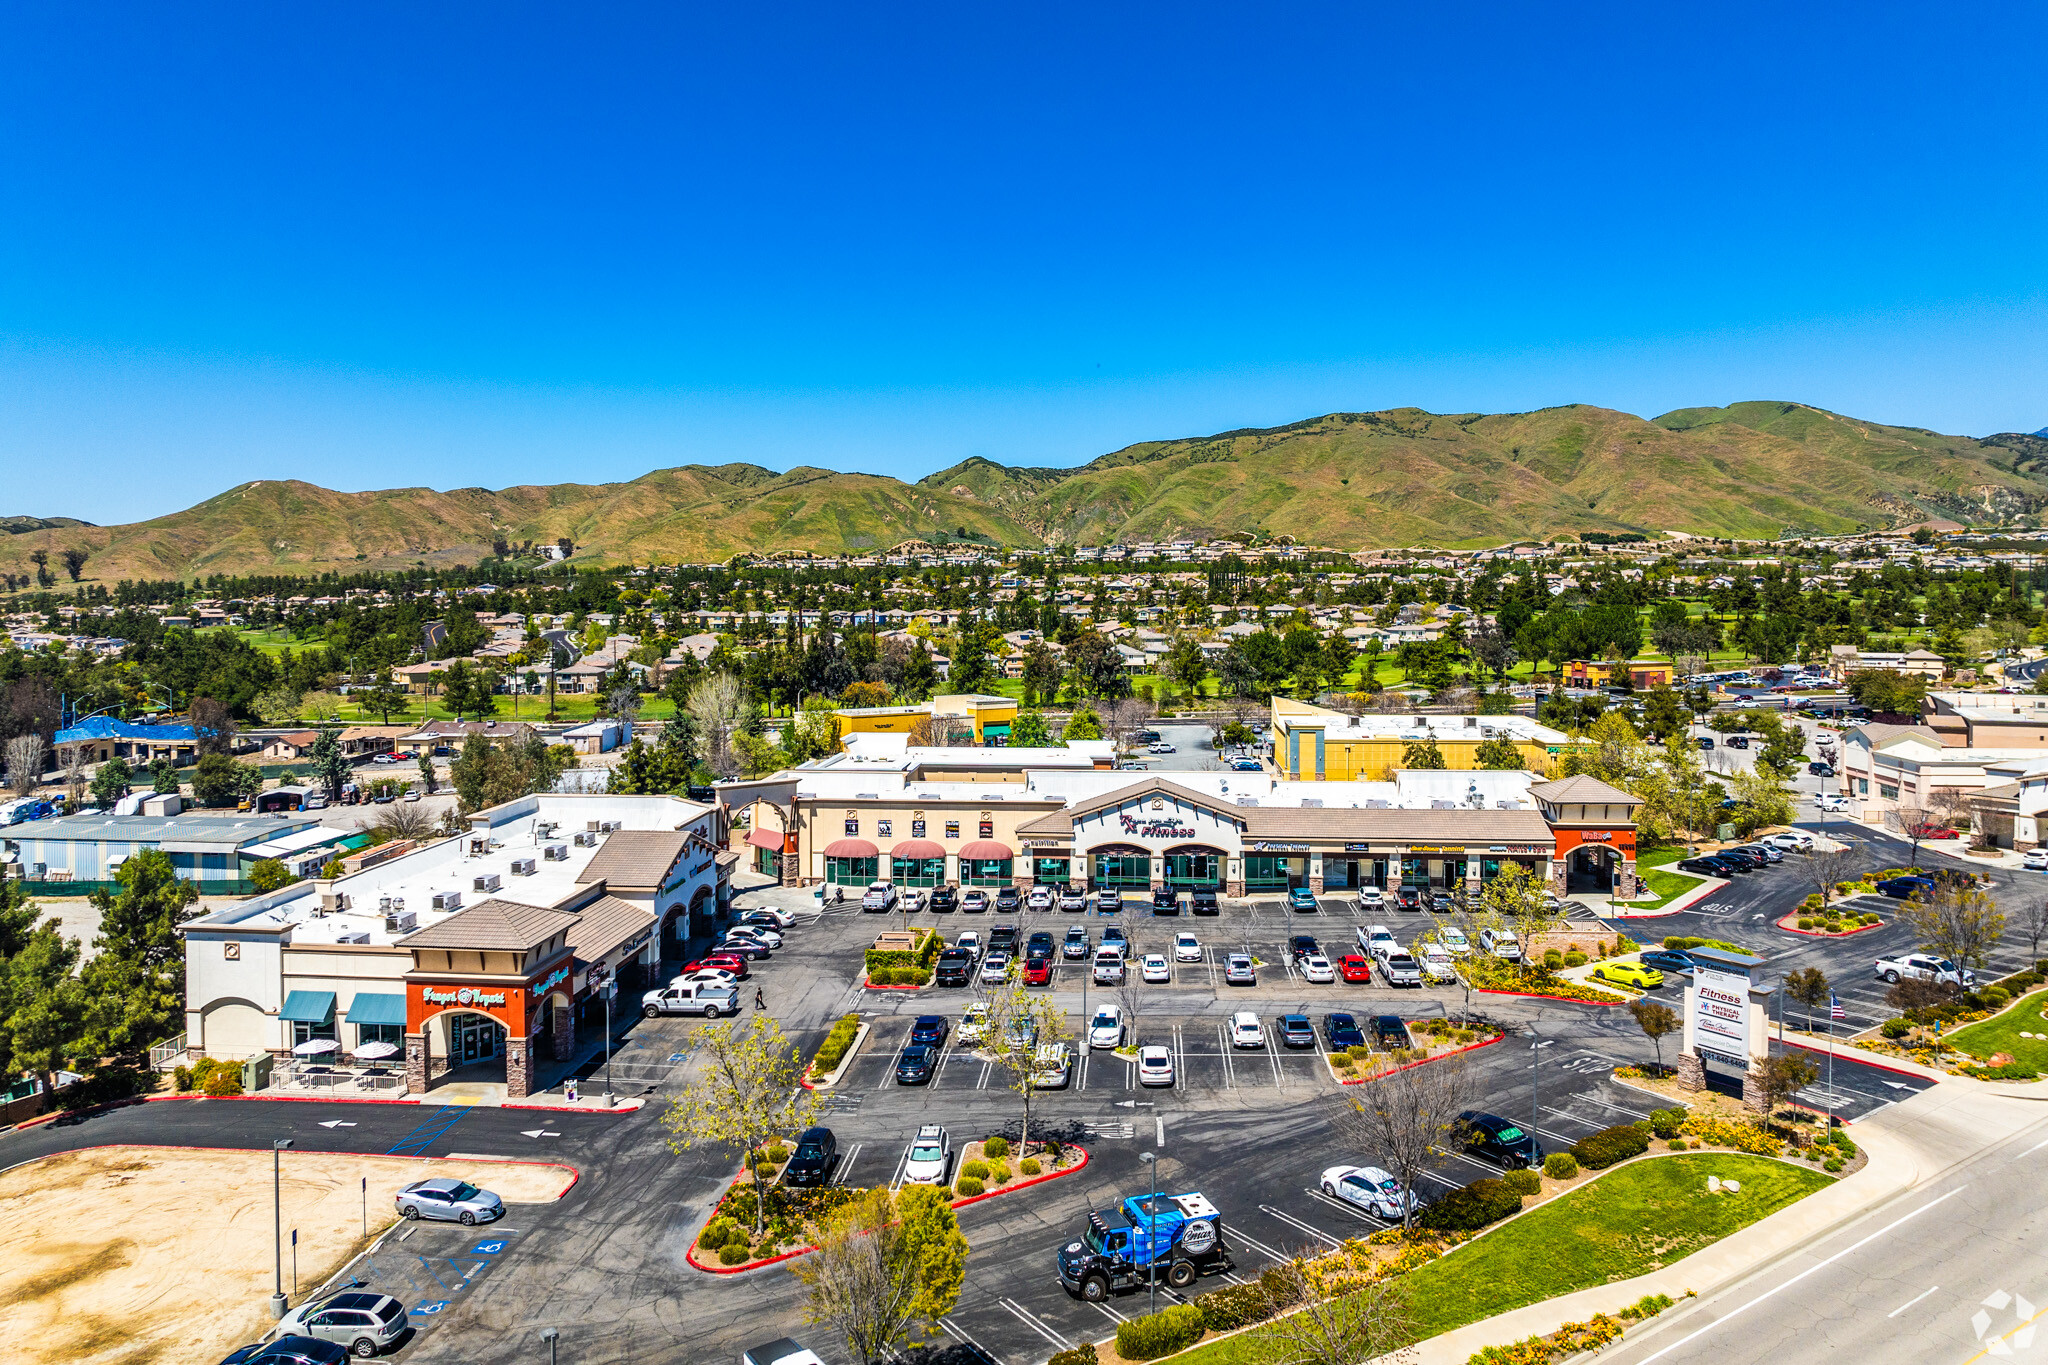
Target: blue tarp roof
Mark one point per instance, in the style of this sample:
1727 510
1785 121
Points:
106 727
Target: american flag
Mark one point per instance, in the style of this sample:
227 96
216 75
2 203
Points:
1835 1010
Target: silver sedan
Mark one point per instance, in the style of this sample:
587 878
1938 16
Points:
449 1201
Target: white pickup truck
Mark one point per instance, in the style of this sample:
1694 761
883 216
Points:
1925 967
708 998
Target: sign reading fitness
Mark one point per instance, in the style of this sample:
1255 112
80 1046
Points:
1720 1019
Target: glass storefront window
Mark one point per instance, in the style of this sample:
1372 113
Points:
1123 871
380 1033
985 872
1272 871
1050 870
305 1033
1202 871
918 871
850 871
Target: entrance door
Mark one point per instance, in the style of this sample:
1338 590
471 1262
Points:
474 1037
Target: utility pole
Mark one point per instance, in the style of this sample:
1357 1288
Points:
277 1299
1151 1160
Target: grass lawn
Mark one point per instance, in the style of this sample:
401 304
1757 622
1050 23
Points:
1628 1222
1668 886
2002 1034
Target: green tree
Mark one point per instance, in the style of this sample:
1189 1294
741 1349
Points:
427 778
328 763
1516 901
163 776
1424 753
1888 690
1042 671
745 1095
1760 800
883 1267
1187 665
1808 986
111 782
1956 920
42 1006
1665 715
1083 724
1499 752
1657 1022
136 979
384 697
220 781
268 874
1029 730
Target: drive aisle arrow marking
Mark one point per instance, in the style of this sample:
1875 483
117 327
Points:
337 1123
537 1133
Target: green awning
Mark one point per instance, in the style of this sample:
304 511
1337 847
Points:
376 1009
308 1007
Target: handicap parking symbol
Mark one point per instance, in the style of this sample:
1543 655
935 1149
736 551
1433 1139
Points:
489 1248
427 1310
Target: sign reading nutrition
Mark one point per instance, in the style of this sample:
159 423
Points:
1720 1003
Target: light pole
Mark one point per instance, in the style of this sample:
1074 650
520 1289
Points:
1535 1109
277 1300
551 1336
1151 1159
601 977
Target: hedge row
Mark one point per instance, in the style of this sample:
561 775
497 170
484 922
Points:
1472 1207
833 1050
926 952
1160 1334
1610 1145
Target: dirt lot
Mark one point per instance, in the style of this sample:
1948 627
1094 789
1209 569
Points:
133 1255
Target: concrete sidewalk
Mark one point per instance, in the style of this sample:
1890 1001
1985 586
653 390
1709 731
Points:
1909 1144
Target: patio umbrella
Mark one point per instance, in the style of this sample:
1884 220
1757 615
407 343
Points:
376 1052
313 1047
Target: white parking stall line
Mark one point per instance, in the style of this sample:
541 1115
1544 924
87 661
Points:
889 1071
987 1065
1209 961
846 1164
1298 1225
1617 1108
896 1176
1229 1066
1019 1312
1565 1138
1255 1244
962 1335
1109 1312
1081 1079
1272 1050
1322 1200
1469 1161
1180 1058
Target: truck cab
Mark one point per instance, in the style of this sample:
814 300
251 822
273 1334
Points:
1172 1237
708 998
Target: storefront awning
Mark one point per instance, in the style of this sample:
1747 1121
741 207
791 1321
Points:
367 1008
911 849
851 848
986 850
770 839
309 1007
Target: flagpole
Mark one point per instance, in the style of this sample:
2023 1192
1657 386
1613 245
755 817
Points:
1831 1068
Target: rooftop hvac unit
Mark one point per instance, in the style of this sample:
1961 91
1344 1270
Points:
585 839
593 826
353 936
556 853
479 847
543 828
401 922
522 867
1311 800
447 900
608 827
487 882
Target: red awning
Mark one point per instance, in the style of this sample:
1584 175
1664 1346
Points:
986 850
766 838
917 848
851 848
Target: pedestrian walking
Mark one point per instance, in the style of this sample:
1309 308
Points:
760 1002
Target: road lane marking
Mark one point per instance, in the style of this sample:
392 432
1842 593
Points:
1787 1284
1910 1302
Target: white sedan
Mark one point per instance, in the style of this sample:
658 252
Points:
1154 967
974 1023
1316 970
1187 948
2035 860
995 969
1370 1188
1827 801
1155 1066
760 933
1789 841
1106 1029
1038 898
913 901
1246 1030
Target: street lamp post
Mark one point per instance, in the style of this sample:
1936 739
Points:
1151 1159
602 978
551 1336
277 1299
1535 1108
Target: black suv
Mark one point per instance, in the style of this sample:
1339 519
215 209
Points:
1303 945
1408 898
1389 1032
1009 900
1039 944
954 967
1204 903
1165 901
945 898
816 1152
1492 1138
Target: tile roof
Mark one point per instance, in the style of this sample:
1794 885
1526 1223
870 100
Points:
635 858
604 924
1582 790
494 925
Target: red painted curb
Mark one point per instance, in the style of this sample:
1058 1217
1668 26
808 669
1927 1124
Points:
690 1254
1538 995
294 1099
889 986
575 1172
1362 1080
1790 925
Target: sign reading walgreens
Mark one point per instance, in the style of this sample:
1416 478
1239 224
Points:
464 995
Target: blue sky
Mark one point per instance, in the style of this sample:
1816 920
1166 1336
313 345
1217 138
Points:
382 245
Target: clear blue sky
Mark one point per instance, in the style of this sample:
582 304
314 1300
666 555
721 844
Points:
383 245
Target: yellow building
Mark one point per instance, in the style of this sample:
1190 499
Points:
989 717
1642 673
1313 744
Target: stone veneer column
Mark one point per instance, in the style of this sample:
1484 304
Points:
518 1068
416 1062
1692 1073
564 1030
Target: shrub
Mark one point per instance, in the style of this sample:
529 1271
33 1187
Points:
765 1172
1053 1149
1896 1028
1575 959
833 1050
1000 1172
1843 1144
1665 1123
718 1233
1806 921
1029 1165
1610 1145
1552 959
1994 996
1159 1334
1523 1182
1472 1207
1870 919
1834 926
735 1253
183 1078
1648 1306
1341 1060
777 1154
222 1080
1084 1354
1743 1137
967 1186
1234 1306
995 1147
1832 1164
978 1170
1560 1166
1678 1144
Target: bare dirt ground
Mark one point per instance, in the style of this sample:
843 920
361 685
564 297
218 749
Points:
137 1255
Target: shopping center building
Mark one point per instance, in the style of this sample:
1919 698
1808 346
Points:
479 955
879 814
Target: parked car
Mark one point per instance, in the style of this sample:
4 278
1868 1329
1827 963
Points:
1454 940
1316 970
1301 946
1073 900
995 969
974 1023
725 962
1114 937
1388 1032
931 1155
1302 900
1401 969
1906 888
1109 967
1340 1030
292 1349
930 1028
1924 967
1108 901
1928 830
817 1151
1820 769
1238 971
1038 971
1295 1031
1636 974
974 902
768 915
1376 940
954 967
914 1066
1204 903
1039 898
1076 946
1670 960
944 899
1408 898
1155 967
1789 841
449 1201
1051 1065
364 1323
1155 1065
1187 948
1355 968
969 942
1831 802
1501 943
758 932
2035 860
1106 1029
1165 901
1003 937
1763 850
879 896
1437 968
1492 1138
1372 1189
914 901
1246 1030
1009 900
1245 765
1039 944
1370 898
1708 866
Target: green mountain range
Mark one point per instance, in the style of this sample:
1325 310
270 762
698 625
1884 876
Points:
1347 480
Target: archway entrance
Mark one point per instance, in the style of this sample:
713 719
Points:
465 1046
1194 867
1590 869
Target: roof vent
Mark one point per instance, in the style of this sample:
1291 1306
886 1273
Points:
1311 800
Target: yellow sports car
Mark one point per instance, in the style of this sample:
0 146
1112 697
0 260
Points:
1630 974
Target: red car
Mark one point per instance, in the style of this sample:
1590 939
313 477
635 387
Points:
1037 971
1931 832
732 962
1352 967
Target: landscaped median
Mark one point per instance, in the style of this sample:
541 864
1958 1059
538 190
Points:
728 1245
902 959
1997 1032
1544 980
1436 1038
833 1054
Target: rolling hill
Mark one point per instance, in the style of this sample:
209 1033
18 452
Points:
1347 480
